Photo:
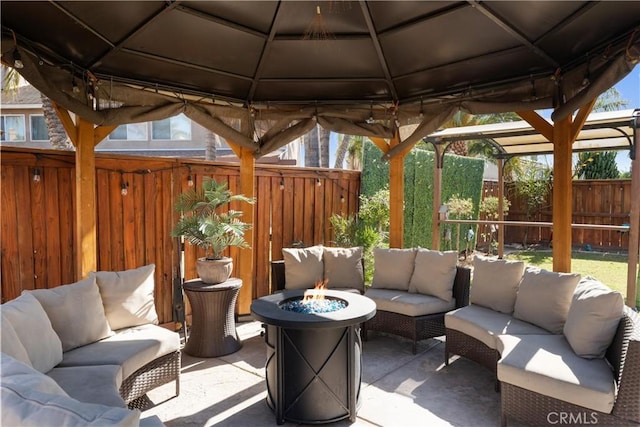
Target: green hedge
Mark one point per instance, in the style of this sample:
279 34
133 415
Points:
460 175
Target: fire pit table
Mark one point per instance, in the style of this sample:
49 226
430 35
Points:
314 360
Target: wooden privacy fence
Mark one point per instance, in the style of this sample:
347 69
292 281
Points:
600 202
135 215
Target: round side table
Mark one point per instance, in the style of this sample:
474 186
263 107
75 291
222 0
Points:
213 327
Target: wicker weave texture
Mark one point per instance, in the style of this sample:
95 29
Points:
154 374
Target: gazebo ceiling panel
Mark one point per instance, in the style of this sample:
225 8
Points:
432 45
349 59
345 90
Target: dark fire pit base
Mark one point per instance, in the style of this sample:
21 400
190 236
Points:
321 369
314 362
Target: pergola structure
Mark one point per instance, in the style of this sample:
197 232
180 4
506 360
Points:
263 73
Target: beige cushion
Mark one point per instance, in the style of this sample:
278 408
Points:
32 326
434 273
127 296
392 268
76 312
343 268
544 298
593 318
10 342
485 324
546 364
495 283
130 348
407 303
303 267
92 384
30 398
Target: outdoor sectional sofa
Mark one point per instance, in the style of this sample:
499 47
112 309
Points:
85 353
413 290
564 349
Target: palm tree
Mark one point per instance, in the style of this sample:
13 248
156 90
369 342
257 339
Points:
341 151
57 134
212 143
311 149
354 152
324 137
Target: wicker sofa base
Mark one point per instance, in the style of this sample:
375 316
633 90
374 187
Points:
470 348
154 374
415 328
536 409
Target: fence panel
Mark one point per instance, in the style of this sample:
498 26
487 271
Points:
38 248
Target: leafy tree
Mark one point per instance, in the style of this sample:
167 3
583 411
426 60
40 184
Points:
533 184
597 165
489 207
459 209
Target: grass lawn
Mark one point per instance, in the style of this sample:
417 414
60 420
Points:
610 269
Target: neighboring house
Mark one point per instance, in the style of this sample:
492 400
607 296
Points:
23 125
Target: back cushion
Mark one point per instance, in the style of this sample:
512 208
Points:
32 326
127 296
544 298
593 318
495 283
434 273
392 268
10 343
76 312
343 268
303 267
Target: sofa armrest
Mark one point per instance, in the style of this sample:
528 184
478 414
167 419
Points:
624 355
461 285
277 276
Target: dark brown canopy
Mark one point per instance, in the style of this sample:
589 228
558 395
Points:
278 66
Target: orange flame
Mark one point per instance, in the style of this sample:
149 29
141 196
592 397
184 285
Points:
315 294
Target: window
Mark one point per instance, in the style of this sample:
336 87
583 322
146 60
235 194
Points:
12 127
176 128
130 132
39 130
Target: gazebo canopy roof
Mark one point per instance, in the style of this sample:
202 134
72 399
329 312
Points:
359 67
611 130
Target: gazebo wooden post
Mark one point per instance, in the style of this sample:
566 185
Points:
396 197
562 134
396 189
438 159
500 207
244 269
633 293
85 137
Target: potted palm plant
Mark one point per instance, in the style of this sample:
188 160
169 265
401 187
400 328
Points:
203 224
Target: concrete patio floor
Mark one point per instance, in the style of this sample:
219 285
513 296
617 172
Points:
398 387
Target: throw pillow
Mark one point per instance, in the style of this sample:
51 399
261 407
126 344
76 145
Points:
10 343
544 298
434 273
76 312
303 267
495 283
392 268
343 268
593 318
127 296
31 324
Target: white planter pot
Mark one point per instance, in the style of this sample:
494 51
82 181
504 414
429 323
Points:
214 271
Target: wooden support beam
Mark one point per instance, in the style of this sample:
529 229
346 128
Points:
101 132
86 216
244 269
67 123
633 293
500 208
562 188
437 195
581 119
396 196
381 143
538 123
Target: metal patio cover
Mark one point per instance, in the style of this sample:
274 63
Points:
263 73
